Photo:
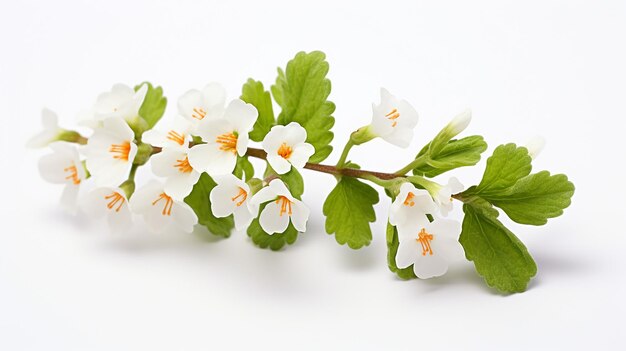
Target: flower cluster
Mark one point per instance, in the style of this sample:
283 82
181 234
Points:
201 173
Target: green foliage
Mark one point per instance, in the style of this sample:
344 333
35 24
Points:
243 169
456 153
295 183
201 204
254 93
349 209
499 256
392 249
508 164
302 90
274 241
153 105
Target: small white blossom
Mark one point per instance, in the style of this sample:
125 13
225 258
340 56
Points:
198 106
110 152
175 133
110 203
121 101
63 166
429 247
443 195
393 120
411 206
51 130
535 146
225 138
160 210
173 164
280 209
286 147
232 195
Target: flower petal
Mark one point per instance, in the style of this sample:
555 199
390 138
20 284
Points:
430 266
300 215
271 221
279 164
301 154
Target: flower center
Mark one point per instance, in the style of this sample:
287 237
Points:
115 199
228 141
176 137
73 174
198 113
285 151
393 115
120 151
409 200
183 165
285 205
424 239
167 207
242 194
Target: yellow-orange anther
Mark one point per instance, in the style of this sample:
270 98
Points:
424 239
409 200
241 197
115 199
393 116
285 205
285 151
198 113
176 137
228 142
167 208
73 174
120 151
183 165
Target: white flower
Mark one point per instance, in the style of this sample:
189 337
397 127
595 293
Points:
112 203
428 247
393 120
202 105
535 146
459 123
110 152
232 196
443 195
51 130
283 207
63 166
176 133
286 147
160 210
121 102
173 164
411 206
225 138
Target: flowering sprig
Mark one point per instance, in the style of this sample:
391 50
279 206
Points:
202 157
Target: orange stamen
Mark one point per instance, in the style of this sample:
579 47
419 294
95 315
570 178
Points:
183 165
424 239
409 200
285 151
167 209
243 194
120 151
198 113
176 137
228 141
285 205
392 116
116 198
73 171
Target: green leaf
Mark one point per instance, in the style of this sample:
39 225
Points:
535 198
201 205
349 209
153 105
505 167
456 153
392 249
295 183
499 256
243 168
275 241
302 91
253 93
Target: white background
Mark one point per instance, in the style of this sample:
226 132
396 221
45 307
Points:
553 68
